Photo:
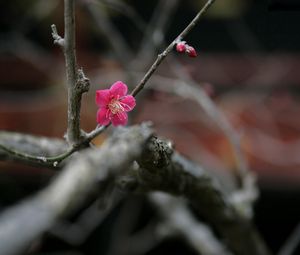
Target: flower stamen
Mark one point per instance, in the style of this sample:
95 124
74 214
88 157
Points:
115 106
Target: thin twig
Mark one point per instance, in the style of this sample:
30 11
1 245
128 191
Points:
119 45
197 93
76 233
178 220
128 11
98 130
57 38
247 191
163 55
107 28
290 245
35 150
154 34
46 161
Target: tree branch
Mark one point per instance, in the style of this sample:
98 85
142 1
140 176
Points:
40 151
163 170
35 150
247 192
290 245
57 38
107 28
74 95
35 145
21 224
154 32
77 82
179 221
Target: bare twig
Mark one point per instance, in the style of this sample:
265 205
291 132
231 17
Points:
28 158
142 241
154 34
57 38
35 145
122 227
21 224
291 243
243 176
35 154
125 9
35 150
163 55
179 221
114 37
76 233
120 47
195 92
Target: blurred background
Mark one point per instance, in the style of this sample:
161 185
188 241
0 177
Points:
248 63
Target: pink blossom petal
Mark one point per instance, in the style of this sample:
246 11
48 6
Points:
119 119
128 102
102 97
118 89
103 116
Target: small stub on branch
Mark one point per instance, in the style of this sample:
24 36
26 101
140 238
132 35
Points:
57 38
83 82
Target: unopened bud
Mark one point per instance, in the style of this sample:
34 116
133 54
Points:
180 47
191 51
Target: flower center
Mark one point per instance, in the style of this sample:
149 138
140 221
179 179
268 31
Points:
115 106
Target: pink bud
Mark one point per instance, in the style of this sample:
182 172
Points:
191 51
180 47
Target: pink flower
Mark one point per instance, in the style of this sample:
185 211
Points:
114 104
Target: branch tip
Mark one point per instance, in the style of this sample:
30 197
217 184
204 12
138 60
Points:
57 38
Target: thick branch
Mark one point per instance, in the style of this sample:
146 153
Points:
21 224
162 171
